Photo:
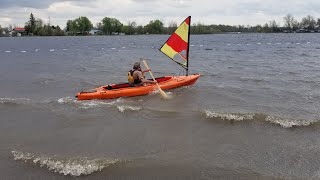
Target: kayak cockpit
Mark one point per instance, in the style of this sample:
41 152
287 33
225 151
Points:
127 85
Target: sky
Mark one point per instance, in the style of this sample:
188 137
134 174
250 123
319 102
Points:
228 12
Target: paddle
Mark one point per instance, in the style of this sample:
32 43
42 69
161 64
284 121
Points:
163 94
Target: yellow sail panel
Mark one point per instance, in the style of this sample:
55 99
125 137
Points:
168 51
182 31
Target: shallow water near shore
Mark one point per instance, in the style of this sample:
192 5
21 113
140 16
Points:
253 113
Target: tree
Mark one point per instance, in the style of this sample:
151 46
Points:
274 26
132 25
110 25
172 27
80 25
83 24
288 21
154 27
318 21
308 22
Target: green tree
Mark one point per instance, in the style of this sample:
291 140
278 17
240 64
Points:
31 24
83 24
110 25
318 21
154 27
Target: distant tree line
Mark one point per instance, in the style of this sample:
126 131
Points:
108 26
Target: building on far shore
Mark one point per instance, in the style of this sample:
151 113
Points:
17 31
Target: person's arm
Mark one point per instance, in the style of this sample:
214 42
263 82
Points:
142 79
146 70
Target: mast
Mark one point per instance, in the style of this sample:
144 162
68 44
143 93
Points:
188 47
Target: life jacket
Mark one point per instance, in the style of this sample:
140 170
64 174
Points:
131 80
130 77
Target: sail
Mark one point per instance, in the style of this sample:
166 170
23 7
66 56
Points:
177 46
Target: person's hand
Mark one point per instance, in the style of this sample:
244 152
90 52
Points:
155 81
147 70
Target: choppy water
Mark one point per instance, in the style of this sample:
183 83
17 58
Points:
254 112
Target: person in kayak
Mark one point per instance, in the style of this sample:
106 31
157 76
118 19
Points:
136 77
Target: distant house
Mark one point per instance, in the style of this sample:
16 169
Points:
19 31
95 32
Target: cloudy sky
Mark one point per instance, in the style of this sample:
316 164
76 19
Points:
231 12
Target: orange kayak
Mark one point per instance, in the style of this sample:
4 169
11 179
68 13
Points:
126 90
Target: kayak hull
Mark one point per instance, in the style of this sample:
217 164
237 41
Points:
125 90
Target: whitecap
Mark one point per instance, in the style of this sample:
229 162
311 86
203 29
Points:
127 107
23 51
288 123
13 100
7 51
229 116
71 166
51 50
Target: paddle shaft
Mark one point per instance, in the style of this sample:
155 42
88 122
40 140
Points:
145 64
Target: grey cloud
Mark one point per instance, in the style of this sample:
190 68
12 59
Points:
37 4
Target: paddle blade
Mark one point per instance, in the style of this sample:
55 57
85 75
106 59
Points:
163 94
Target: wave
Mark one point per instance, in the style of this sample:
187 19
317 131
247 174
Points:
127 107
86 104
283 122
13 101
71 166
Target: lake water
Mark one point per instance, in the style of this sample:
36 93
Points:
253 113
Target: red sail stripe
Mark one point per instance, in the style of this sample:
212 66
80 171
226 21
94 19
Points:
187 20
176 43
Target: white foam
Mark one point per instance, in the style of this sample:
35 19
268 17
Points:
191 45
279 43
298 43
51 50
13 100
123 47
288 123
127 107
268 43
23 51
228 44
248 44
308 42
229 116
7 51
102 48
64 49
201 45
259 43
37 50
72 166
113 48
